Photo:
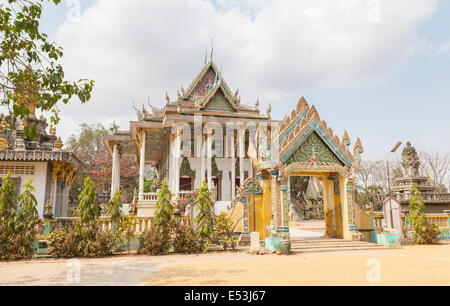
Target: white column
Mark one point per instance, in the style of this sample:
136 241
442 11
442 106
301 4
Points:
241 155
115 186
233 167
202 161
177 160
171 164
54 193
142 166
113 172
209 160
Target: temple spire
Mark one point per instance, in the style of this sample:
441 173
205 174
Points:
212 49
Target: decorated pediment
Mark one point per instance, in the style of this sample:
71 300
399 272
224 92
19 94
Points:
313 149
305 138
210 91
252 186
216 101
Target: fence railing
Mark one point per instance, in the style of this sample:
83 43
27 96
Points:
442 221
48 226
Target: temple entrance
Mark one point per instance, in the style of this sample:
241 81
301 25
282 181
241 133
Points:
301 208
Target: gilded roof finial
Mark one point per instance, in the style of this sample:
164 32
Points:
58 144
212 49
167 98
269 110
52 130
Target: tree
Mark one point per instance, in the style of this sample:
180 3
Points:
205 217
89 147
26 221
437 166
8 199
87 210
113 209
17 225
424 232
30 74
163 208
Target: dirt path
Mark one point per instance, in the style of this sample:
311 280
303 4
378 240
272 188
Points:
415 265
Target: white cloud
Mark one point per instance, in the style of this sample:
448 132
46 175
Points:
269 49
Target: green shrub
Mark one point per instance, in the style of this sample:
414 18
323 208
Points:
224 231
17 224
84 238
79 241
155 241
185 240
64 243
424 232
205 217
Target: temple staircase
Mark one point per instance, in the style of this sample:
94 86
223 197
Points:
320 245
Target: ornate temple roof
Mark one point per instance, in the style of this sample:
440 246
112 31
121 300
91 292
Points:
304 125
43 147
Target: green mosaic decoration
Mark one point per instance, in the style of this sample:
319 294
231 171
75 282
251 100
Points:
252 187
323 152
219 102
185 169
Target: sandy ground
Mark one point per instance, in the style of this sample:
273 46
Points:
411 265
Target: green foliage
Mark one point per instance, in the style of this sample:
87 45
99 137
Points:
424 232
185 240
85 238
8 197
127 227
87 210
113 209
79 241
163 207
224 231
30 64
17 226
205 217
154 241
148 185
366 198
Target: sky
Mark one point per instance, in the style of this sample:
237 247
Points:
379 69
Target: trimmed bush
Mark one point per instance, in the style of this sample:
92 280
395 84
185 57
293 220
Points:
185 240
155 241
76 241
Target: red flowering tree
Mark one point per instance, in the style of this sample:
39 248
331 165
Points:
89 147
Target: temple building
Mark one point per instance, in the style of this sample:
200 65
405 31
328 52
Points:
186 141
40 159
434 200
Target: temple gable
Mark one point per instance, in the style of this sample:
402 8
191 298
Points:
313 147
218 102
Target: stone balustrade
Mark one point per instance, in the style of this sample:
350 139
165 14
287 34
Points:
105 224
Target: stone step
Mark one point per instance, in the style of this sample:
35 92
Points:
334 245
323 250
318 241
